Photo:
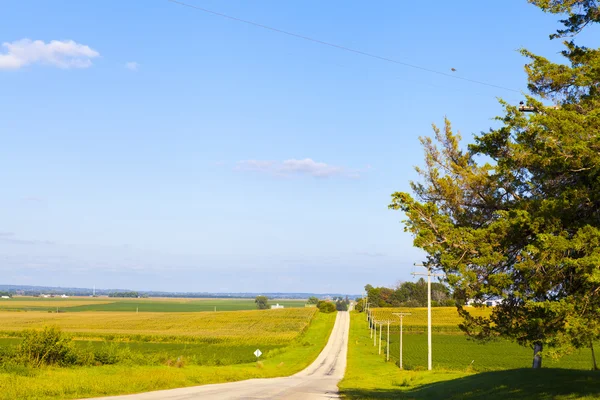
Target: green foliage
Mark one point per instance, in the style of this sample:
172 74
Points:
48 346
515 215
262 302
408 294
312 300
341 305
580 13
125 294
326 306
360 306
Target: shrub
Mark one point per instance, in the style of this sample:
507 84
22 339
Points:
48 346
326 307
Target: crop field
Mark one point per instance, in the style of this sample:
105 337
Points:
127 352
157 353
456 352
268 326
452 349
81 304
444 319
462 369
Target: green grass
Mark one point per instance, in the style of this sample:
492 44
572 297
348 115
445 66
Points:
169 306
457 352
81 382
132 305
192 353
368 376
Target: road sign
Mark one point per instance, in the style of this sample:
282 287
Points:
257 353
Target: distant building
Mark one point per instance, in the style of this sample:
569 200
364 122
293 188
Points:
489 302
64 296
276 306
6 297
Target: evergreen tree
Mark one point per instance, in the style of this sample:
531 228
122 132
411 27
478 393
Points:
525 225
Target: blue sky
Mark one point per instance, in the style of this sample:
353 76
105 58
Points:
159 147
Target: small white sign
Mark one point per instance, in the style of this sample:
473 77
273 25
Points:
257 353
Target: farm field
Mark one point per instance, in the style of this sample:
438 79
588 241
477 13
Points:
444 319
269 326
222 351
368 376
81 304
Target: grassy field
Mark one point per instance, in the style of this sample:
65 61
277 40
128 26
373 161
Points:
272 326
83 304
289 338
368 376
444 319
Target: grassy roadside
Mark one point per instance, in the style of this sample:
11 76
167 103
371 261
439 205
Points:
368 376
81 382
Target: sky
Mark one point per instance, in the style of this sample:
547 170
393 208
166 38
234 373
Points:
152 146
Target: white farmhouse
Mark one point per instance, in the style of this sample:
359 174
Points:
276 306
489 302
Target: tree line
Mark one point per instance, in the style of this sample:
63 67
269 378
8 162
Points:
407 294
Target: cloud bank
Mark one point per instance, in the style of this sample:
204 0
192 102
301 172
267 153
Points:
62 54
291 167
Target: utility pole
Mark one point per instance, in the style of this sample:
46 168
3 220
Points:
388 343
380 329
374 334
401 316
429 275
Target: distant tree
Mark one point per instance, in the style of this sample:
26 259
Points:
326 306
407 294
359 305
262 302
312 300
124 294
341 305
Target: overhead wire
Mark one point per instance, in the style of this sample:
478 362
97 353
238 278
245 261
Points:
340 47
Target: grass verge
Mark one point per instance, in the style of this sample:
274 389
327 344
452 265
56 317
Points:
368 376
82 382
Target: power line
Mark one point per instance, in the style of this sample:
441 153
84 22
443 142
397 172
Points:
337 46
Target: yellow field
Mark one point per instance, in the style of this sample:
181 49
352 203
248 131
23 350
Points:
442 318
272 326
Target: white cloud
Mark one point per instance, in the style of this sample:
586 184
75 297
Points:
132 65
306 166
62 54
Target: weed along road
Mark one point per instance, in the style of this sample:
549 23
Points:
317 381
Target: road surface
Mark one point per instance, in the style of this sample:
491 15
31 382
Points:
317 381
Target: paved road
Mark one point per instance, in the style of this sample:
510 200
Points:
318 381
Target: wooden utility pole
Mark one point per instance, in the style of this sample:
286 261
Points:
429 275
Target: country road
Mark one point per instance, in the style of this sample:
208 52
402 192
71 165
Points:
317 381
